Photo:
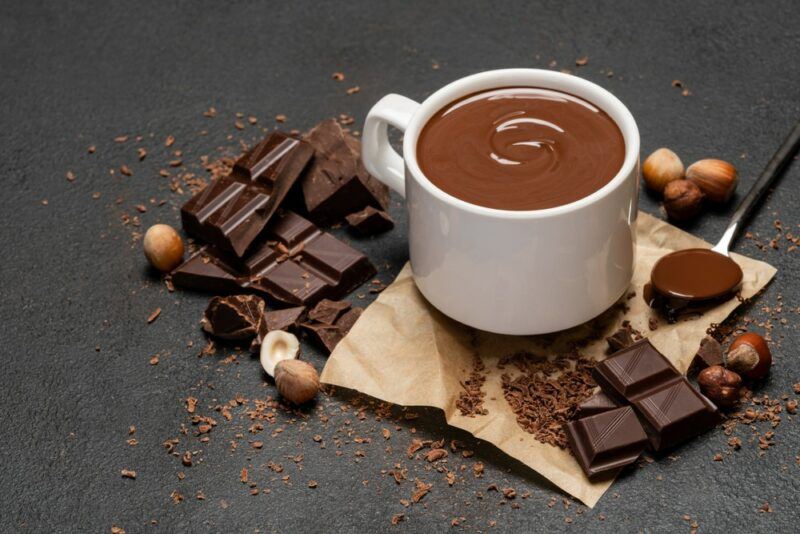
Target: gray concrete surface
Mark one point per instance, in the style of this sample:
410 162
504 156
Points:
80 73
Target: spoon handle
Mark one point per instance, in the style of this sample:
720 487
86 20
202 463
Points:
773 169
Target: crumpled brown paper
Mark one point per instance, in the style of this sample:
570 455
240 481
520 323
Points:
404 351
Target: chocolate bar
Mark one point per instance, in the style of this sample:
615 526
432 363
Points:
293 262
336 183
607 441
233 210
670 409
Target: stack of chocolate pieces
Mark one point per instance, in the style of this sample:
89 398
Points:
254 239
644 403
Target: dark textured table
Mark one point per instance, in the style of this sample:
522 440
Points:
77 348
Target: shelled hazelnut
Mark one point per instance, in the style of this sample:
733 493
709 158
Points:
750 356
682 200
163 247
717 179
720 385
660 168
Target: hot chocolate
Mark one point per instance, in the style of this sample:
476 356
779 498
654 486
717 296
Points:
520 148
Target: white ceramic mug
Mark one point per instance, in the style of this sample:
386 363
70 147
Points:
511 272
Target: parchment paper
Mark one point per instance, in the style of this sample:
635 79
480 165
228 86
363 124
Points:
405 352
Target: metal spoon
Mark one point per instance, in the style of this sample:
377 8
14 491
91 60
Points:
697 276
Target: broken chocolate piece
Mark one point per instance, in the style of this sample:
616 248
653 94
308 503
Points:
234 317
294 263
232 211
370 221
346 321
607 441
597 403
620 339
336 182
286 319
709 353
328 311
327 335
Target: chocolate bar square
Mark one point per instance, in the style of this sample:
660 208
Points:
634 371
675 413
607 441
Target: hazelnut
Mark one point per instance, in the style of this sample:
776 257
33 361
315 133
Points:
276 347
749 356
297 381
163 247
682 200
660 168
717 179
720 385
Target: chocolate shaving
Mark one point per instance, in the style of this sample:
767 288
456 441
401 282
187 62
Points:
545 393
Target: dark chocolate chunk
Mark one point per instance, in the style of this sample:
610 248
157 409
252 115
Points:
205 271
233 317
621 339
346 321
370 221
329 335
336 182
634 371
294 263
286 319
327 311
607 441
709 353
232 211
675 413
597 403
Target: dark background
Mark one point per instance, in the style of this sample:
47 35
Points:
74 278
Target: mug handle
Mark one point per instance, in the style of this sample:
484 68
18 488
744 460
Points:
380 159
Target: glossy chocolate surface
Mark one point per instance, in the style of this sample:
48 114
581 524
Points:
231 212
520 148
607 441
696 274
293 263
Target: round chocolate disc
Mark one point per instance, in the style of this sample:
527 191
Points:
696 274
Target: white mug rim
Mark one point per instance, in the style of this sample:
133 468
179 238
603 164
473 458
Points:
568 83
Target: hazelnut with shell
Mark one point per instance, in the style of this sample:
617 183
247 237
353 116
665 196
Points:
717 179
163 247
297 381
750 356
660 168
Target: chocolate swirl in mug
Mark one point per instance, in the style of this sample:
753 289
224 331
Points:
520 148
